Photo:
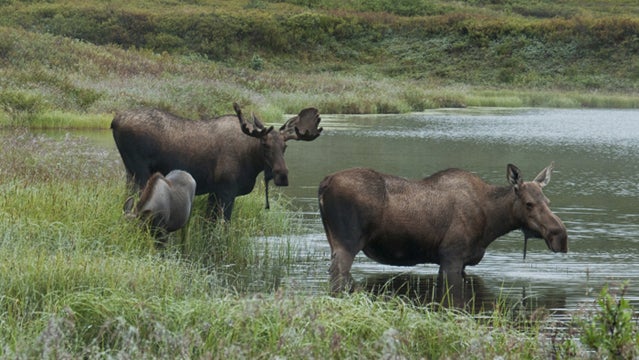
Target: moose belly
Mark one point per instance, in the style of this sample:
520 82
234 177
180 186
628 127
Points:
400 251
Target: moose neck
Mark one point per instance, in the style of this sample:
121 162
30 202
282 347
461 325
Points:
501 213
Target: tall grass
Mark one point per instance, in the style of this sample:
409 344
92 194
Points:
66 248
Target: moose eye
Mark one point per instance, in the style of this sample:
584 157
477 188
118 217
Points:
529 205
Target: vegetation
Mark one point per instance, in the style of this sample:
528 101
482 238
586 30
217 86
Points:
381 56
612 331
78 281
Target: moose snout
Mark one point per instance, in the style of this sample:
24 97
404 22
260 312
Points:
281 179
557 239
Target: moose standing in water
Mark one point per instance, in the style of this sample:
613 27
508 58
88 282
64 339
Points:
165 203
224 155
449 218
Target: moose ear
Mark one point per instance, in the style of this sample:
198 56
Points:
128 205
513 174
544 176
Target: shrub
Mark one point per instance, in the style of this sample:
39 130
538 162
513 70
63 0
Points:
21 103
611 331
257 63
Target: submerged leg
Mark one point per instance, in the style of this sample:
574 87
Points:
340 271
450 284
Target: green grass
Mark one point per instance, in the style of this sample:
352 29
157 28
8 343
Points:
61 120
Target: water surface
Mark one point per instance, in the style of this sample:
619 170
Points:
594 190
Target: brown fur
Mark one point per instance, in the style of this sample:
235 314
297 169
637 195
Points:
449 218
224 155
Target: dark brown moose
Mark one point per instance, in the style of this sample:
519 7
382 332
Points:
449 218
165 204
224 154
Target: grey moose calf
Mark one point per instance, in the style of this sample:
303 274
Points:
165 204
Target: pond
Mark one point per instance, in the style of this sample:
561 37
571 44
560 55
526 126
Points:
594 190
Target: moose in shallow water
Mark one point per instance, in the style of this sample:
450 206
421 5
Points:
224 155
449 218
165 203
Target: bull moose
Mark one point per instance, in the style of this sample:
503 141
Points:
224 154
165 203
448 218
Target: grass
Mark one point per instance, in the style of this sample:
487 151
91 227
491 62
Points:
65 246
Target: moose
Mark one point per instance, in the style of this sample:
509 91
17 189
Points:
224 154
165 203
448 218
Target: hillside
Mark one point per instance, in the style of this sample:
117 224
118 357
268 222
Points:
343 56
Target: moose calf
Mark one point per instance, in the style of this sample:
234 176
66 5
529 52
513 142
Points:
165 203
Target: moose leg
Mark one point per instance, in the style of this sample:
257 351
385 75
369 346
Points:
136 182
214 208
228 209
340 270
343 250
450 283
160 236
220 205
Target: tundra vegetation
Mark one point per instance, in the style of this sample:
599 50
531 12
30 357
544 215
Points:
77 281
281 56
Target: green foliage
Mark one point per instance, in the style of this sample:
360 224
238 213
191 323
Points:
191 59
21 102
257 63
612 331
397 7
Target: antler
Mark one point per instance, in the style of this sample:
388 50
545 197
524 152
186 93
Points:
257 130
304 126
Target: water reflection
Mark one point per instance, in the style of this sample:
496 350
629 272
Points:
476 295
